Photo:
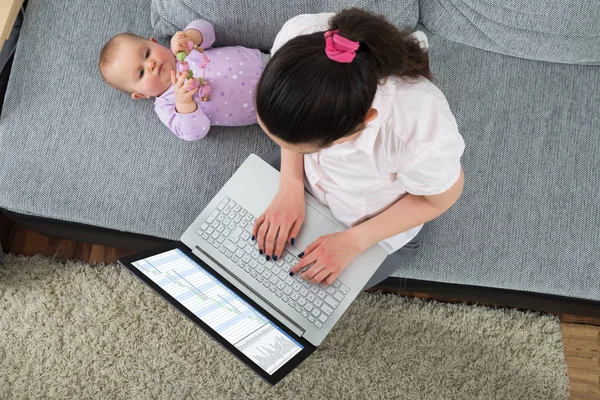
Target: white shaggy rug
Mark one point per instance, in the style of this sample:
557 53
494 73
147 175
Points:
69 330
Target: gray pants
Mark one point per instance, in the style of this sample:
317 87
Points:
265 57
393 262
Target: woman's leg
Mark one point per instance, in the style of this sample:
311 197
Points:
266 57
394 261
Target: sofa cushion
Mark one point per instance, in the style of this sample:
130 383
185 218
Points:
74 149
256 23
529 216
564 31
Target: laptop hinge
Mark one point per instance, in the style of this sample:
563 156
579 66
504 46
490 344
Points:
298 330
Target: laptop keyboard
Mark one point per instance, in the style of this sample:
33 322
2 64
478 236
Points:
229 229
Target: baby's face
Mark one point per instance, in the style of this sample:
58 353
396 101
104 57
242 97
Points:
142 66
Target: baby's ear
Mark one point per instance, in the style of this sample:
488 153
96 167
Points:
137 96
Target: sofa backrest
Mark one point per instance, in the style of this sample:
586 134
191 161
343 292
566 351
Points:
255 24
564 31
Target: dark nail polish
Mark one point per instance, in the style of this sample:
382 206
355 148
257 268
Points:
268 258
260 251
252 237
292 241
274 258
291 273
301 255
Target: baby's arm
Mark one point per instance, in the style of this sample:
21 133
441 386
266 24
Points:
201 33
191 126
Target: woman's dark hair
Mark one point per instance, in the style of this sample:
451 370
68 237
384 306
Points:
305 97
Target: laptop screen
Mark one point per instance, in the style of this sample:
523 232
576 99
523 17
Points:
225 312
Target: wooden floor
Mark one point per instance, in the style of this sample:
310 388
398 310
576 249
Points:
581 336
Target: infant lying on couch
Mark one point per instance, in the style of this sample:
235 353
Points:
146 69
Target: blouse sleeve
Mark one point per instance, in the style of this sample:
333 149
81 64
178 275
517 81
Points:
431 145
437 168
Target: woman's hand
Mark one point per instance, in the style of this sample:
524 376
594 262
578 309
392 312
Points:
329 256
282 219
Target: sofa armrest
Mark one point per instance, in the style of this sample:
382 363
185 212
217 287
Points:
8 15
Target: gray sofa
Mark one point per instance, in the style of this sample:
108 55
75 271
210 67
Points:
522 78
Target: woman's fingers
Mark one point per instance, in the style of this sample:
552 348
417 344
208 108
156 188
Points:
271 237
257 224
270 240
303 263
260 236
281 241
329 280
294 230
321 273
313 246
310 273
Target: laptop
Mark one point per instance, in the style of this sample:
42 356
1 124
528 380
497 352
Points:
215 276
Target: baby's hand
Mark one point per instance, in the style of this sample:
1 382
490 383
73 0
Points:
179 42
183 96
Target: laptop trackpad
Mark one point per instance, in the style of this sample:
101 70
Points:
315 225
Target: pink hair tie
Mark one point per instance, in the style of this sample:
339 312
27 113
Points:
338 48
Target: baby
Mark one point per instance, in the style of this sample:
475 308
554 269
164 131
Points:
146 69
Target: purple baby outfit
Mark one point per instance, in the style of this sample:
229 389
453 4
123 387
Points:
232 73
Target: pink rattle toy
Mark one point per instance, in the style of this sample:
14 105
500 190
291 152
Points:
196 82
